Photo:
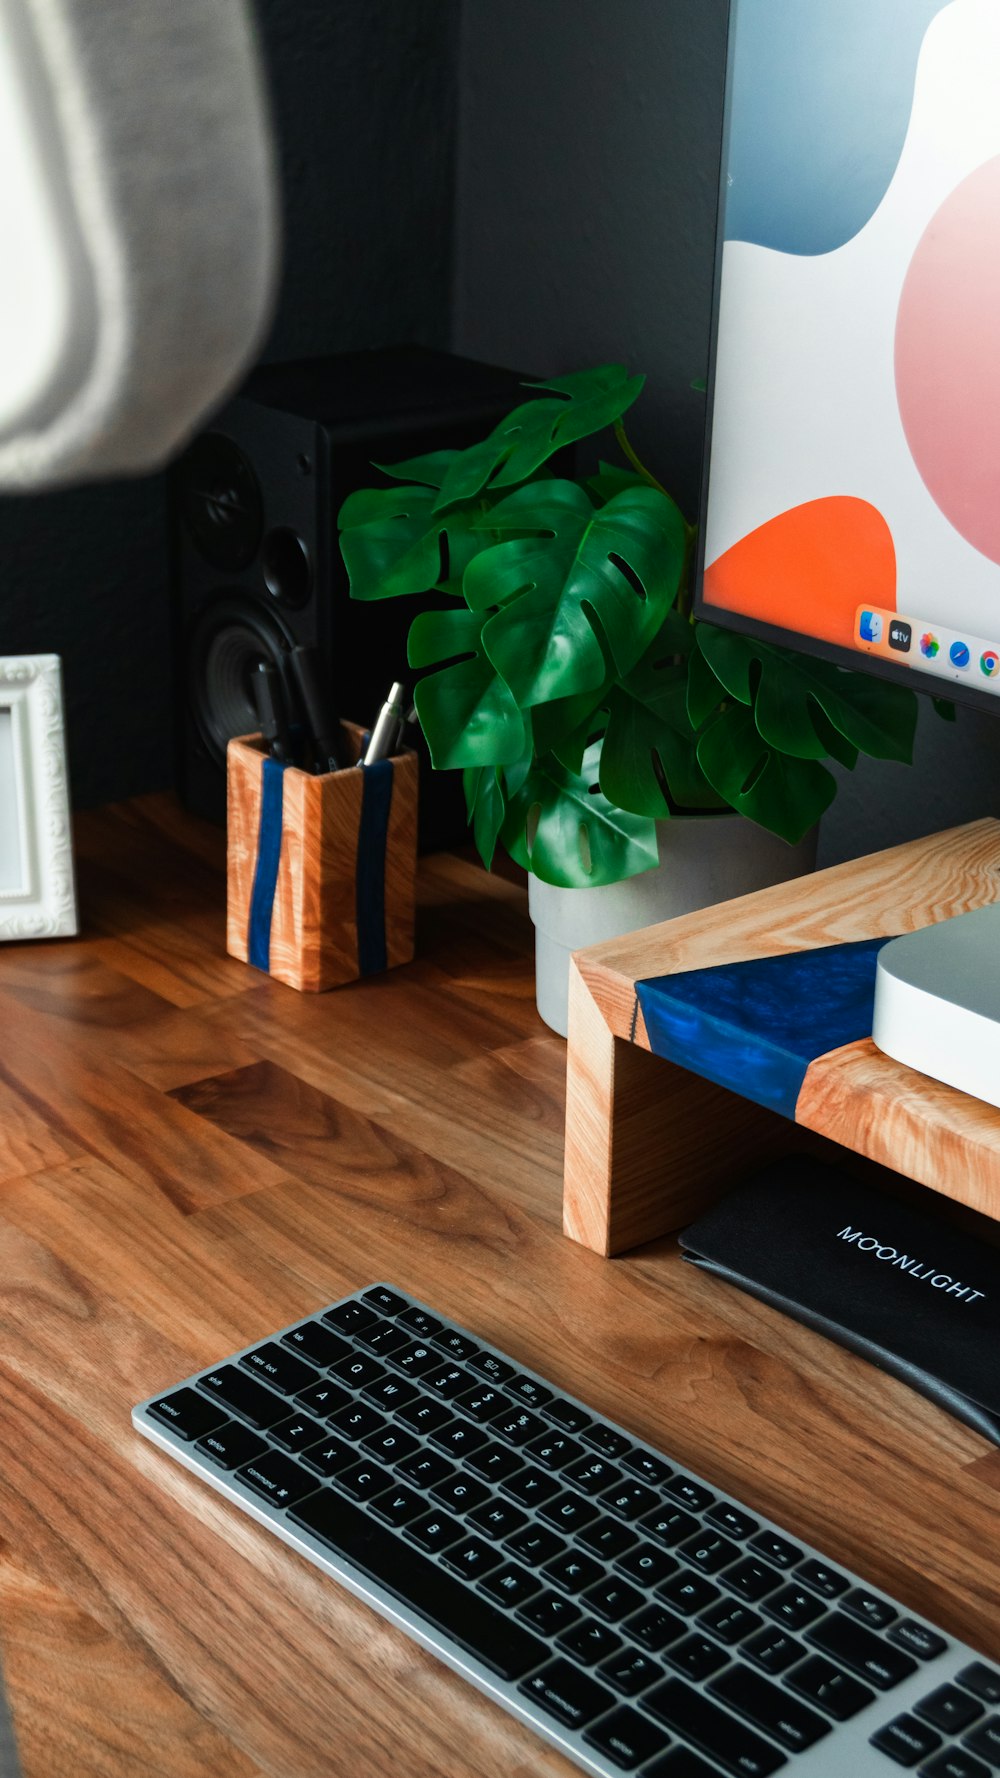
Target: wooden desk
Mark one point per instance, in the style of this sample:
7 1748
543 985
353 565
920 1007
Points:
190 1156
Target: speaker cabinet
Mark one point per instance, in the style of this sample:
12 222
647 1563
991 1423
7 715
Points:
256 565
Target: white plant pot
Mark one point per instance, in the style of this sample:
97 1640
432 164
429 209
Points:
703 859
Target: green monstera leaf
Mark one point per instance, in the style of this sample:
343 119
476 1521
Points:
809 708
486 807
649 761
570 408
589 578
393 543
561 827
784 794
466 711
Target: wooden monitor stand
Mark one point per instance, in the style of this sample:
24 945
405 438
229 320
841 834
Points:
650 1144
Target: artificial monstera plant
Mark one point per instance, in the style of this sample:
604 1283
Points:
564 674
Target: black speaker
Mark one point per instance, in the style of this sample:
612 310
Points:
256 566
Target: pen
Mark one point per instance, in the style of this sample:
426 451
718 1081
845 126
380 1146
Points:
386 730
270 702
320 721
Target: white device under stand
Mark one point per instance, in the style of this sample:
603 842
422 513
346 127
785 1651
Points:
937 1002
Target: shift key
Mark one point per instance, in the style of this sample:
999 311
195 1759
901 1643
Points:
258 1406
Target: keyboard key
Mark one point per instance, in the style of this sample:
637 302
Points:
647 1466
918 1639
949 1708
826 1685
483 1403
495 1462
511 1585
607 1538
984 1739
821 1579
424 1414
906 1740
553 1450
390 1394
690 1493
982 1680
567 1415
436 1531
612 1599
688 1591
568 1512
606 1440
414 1360
245 1397
696 1656
951 1762
397 1506
446 1382
774 1650
329 1458
794 1607
526 1390
626 1738
776 1549
384 1338
572 1697
497 1519
425 1469
324 1399
629 1499
386 1301
573 1571
455 1344
868 1608
630 1672
669 1525
708 1552
535 1544
420 1322
550 1613
681 1763
867 1655
473 1622
532 1486
277 1478
589 1642
517 1427
473 1558
317 1343
281 1370
654 1626
461 1494
298 1433
732 1519
392 1445
647 1564
459 1439
770 1708
729 1621
350 1318
357 1420
495 1370
188 1414
363 1480
358 1371
714 1730
231 1445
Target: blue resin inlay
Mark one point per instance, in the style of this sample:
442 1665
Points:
755 1027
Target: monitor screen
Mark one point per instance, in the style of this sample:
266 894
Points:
852 503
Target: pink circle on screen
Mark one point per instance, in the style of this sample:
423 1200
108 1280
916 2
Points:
948 358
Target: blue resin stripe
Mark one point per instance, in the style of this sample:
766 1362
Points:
266 875
755 1027
376 801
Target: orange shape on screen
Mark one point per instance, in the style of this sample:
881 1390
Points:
809 569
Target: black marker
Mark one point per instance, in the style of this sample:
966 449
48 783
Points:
320 720
270 701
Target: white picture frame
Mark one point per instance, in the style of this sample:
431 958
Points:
37 886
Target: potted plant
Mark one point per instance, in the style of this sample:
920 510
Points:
636 763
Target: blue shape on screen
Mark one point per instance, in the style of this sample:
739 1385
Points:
820 107
755 1027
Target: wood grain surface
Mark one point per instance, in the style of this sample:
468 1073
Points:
619 1188
192 1155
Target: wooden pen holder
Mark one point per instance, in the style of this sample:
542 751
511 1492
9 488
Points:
321 871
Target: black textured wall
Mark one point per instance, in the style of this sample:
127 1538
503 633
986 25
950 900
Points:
364 101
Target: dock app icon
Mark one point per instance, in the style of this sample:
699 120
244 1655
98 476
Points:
900 635
870 626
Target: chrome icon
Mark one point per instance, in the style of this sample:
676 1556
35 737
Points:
989 663
929 645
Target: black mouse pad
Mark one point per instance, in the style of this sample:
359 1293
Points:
909 1292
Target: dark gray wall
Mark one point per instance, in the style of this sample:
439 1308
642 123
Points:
364 101
589 141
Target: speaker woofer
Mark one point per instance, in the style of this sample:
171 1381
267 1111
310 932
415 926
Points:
230 637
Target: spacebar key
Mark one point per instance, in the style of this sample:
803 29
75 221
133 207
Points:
450 1606
713 1730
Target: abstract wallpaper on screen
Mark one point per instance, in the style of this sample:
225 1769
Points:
855 453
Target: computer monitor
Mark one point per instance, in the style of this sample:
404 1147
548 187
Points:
852 497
